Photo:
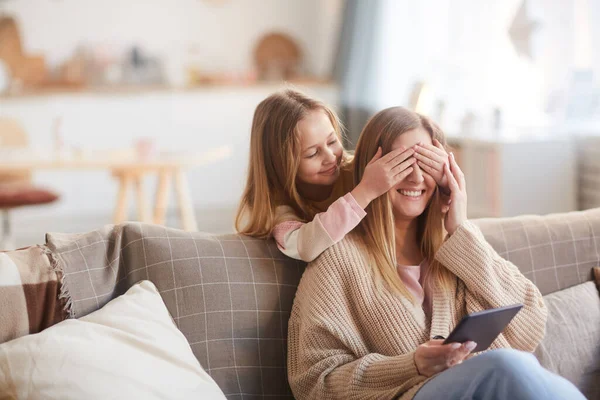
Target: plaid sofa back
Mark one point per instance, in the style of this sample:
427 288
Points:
554 251
230 295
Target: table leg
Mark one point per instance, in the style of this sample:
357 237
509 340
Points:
186 210
120 214
142 202
162 197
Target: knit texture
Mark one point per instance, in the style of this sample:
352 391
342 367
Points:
351 338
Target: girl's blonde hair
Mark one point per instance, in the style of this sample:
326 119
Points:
376 231
274 161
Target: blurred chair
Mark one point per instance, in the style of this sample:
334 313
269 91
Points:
16 189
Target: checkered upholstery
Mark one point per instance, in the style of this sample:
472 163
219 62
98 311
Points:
231 295
555 251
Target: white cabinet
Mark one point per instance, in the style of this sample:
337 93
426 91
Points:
509 178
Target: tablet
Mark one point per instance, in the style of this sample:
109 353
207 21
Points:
483 327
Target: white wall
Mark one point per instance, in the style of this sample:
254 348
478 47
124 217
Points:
201 119
224 34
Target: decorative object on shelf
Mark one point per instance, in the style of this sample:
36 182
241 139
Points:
73 72
140 68
520 31
145 148
30 70
4 77
277 57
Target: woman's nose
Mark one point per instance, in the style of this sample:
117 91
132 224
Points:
416 176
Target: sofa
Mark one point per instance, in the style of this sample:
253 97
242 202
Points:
231 295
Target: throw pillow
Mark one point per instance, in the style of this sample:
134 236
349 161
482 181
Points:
572 342
129 349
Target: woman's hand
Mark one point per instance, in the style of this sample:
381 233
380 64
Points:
433 357
457 213
382 174
432 159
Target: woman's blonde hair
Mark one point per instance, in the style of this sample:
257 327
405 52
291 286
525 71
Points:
274 161
376 230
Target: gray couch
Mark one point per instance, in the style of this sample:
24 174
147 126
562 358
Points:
231 295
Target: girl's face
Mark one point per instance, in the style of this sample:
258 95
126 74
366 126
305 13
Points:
321 150
412 194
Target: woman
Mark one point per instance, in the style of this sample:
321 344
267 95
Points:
369 311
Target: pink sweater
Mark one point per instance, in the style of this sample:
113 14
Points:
307 240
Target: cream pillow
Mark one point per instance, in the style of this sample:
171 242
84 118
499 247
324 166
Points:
129 349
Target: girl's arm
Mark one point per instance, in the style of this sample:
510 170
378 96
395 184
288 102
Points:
306 241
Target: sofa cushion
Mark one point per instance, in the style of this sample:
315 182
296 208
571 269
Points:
129 349
571 347
230 295
554 251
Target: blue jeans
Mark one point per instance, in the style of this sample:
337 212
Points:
499 374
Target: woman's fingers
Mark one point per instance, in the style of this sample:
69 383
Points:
439 146
462 352
429 161
434 350
457 172
433 357
430 170
431 152
449 354
451 179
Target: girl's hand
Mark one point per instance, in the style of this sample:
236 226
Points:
431 159
433 357
457 213
383 173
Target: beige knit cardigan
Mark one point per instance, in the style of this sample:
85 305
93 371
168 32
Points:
350 338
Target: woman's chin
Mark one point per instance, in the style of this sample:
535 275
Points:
409 209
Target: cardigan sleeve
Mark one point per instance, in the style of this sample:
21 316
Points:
492 281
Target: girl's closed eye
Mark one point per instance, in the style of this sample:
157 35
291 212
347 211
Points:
313 154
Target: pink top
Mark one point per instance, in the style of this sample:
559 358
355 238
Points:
307 240
412 276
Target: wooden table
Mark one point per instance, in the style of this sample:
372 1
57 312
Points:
130 172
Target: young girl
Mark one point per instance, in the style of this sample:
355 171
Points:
300 187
